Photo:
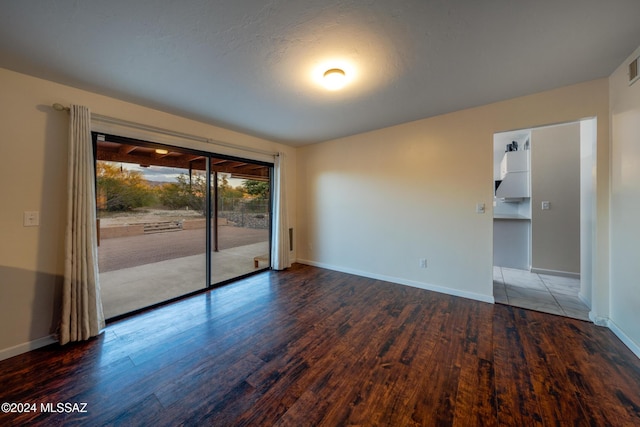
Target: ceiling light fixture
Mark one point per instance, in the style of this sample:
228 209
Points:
161 151
334 79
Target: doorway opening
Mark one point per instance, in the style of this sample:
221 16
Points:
543 187
175 221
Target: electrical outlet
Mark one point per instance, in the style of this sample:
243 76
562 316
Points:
31 219
423 263
546 206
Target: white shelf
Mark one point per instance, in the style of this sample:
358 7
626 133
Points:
511 217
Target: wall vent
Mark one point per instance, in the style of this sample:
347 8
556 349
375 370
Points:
633 71
290 239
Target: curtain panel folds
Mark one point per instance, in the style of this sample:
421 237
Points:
82 315
280 242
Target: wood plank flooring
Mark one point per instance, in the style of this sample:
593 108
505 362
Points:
309 347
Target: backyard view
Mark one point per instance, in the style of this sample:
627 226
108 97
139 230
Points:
152 230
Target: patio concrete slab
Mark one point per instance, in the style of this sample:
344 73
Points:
132 288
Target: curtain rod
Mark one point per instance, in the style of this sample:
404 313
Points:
139 126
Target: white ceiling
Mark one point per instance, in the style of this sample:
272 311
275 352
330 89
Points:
247 64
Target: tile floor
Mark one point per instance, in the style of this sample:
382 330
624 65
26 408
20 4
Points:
540 292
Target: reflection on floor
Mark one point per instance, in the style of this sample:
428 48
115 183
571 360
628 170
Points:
540 292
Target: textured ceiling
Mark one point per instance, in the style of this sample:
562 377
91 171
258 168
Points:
248 65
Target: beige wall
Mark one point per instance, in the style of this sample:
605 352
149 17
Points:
625 206
33 178
372 203
375 203
555 177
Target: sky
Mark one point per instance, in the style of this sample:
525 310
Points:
167 174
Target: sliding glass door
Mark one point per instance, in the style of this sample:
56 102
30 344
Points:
174 221
241 218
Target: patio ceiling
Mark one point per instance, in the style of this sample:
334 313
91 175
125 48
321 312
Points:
145 156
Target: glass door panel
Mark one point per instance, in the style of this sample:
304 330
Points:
152 231
241 222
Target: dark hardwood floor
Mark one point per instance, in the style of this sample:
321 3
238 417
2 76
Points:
315 347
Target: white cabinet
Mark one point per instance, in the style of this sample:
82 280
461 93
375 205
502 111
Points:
514 161
514 171
511 243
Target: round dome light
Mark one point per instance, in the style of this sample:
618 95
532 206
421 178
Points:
334 79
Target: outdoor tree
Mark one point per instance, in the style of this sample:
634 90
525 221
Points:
226 191
258 195
259 189
186 193
228 196
121 189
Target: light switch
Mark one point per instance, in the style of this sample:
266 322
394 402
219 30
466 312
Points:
546 206
31 218
480 208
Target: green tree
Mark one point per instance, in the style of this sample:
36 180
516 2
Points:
259 189
184 193
226 191
257 193
228 196
121 189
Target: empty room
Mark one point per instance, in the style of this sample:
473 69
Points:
334 213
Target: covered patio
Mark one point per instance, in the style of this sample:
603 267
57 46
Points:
142 270
154 255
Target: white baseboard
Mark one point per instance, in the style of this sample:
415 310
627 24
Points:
633 346
26 347
555 273
585 300
598 320
426 286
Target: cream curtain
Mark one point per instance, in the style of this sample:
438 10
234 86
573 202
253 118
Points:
280 244
82 315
